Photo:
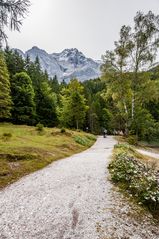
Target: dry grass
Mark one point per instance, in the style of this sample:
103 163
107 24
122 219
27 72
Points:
24 150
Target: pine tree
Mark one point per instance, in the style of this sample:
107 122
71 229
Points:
45 98
5 98
73 108
23 111
46 105
77 109
54 84
15 62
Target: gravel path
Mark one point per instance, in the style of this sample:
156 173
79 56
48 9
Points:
73 199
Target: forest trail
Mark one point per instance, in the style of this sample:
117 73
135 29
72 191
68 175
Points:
73 199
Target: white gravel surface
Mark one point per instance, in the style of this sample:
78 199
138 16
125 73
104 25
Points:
72 199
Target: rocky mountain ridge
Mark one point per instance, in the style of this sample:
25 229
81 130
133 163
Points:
68 64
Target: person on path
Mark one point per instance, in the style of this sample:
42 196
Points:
105 133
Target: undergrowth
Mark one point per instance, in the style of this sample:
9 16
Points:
84 140
138 178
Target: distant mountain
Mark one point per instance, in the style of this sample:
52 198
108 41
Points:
68 64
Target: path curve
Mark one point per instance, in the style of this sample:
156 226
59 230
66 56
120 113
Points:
72 199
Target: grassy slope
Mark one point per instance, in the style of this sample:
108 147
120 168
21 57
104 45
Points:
28 150
153 162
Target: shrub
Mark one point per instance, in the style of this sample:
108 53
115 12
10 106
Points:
91 137
122 146
132 139
81 140
40 127
15 157
6 136
63 130
139 179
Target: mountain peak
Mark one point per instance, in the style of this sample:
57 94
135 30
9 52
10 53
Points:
71 49
70 63
36 50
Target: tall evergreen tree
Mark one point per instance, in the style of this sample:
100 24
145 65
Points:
73 108
96 117
46 105
54 84
5 98
15 62
23 111
45 98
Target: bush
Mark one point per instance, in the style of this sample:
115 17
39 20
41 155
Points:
122 146
17 157
151 134
132 139
139 179
81 140
6 136
91 137
40 127
63 130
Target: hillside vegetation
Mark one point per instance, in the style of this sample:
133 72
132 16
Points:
25 149
137 175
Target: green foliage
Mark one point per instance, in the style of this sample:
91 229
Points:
16 157
14 61
54 84
63 130
96 116
45 97
81 140
124 146
22 93
7 136
129 87
40 127
91 137
132 139
139 179
78 109
46 105
5 98
72 111
85 140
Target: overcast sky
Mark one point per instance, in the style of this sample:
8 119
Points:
92 26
